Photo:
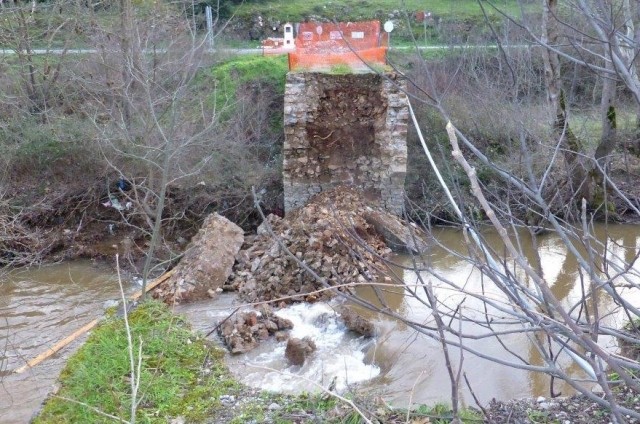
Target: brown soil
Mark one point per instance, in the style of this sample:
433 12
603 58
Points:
54 218
54 222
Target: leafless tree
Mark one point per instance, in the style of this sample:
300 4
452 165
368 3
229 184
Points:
526 304
152 132
28 34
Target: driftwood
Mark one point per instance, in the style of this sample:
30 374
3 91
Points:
67 340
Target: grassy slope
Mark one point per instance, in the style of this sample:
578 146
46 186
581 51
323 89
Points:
239 71
182 375
298 10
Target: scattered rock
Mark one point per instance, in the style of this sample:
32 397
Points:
206 264
244 331
274 407
298 350
227 400
281 336
577 409
356 322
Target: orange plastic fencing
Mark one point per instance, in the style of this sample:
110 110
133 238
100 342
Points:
322 46
361 59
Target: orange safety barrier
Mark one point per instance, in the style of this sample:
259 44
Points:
321 46
360 59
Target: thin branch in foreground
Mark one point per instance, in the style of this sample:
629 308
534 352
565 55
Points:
94 409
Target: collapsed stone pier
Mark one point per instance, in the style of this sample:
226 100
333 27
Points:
345 130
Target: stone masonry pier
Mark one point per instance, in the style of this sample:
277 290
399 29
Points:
345 130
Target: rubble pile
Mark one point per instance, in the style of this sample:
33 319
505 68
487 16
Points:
243 332
329 235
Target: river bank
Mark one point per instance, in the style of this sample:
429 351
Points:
242 403
214 396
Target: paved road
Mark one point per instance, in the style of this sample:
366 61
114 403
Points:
9 52
94 51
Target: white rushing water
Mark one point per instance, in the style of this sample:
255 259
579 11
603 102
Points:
339 358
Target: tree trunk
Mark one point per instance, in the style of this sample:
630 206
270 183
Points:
125 46
608 113
556 99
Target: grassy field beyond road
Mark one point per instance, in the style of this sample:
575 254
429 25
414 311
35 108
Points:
298 10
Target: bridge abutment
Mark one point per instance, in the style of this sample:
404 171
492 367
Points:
345 130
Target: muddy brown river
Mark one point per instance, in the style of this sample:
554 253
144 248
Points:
40 307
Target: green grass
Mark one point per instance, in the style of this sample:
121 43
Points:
182 375
305 404
229 77
463 19
442 414
343 10
587 125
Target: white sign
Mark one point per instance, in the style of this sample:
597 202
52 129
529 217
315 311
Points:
319 30
307 35
388 26
335 35
357 34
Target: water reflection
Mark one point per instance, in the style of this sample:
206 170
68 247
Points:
413 364
39 307
42 306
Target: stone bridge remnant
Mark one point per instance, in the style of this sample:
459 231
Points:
344 123
347 129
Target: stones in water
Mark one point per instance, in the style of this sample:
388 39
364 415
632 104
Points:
330 236
244 331
298 350
356 322
398 236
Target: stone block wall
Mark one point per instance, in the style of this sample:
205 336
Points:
345 130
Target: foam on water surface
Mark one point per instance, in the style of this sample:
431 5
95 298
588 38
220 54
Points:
339 357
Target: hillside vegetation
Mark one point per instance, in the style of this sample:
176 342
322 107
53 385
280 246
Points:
446 21
214 122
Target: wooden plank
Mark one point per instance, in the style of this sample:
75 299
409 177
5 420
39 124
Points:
67 340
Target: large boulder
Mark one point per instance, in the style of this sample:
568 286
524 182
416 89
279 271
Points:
398 236
206 264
